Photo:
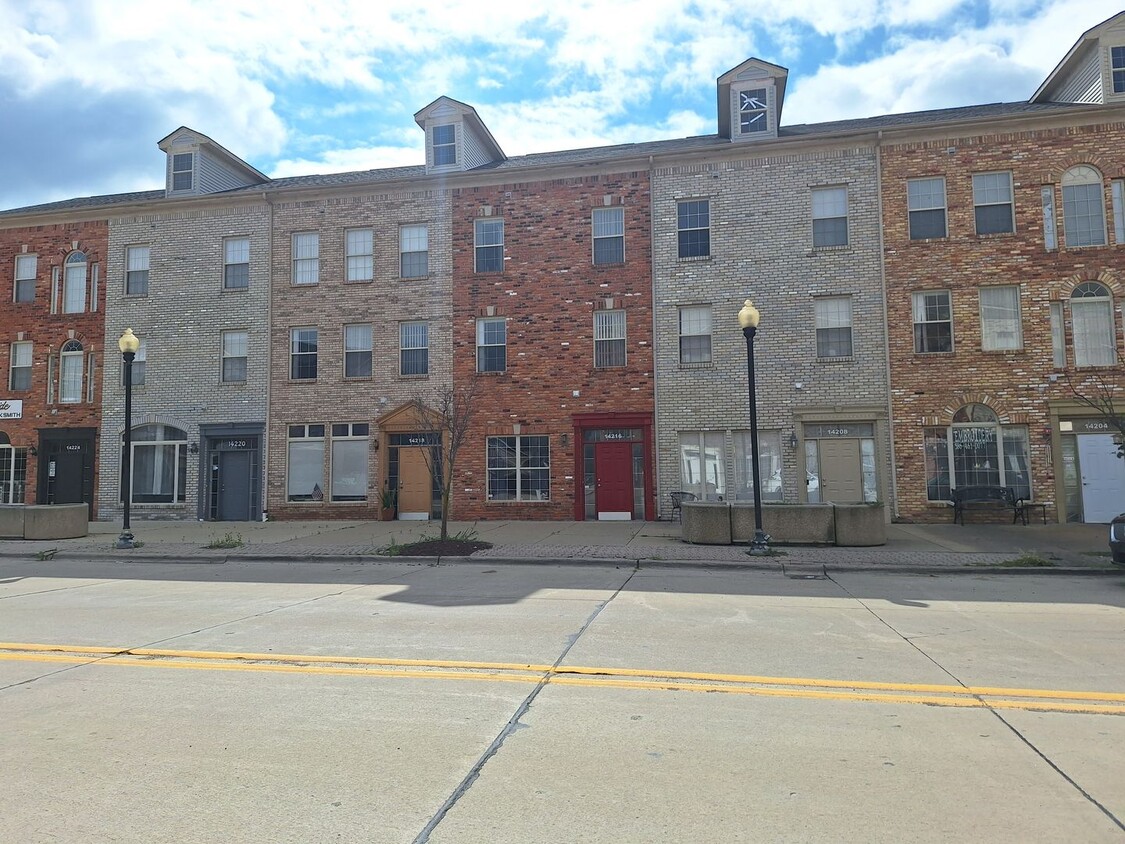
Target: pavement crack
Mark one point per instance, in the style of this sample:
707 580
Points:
514 722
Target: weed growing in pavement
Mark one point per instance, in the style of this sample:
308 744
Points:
394 549
1023 561
229 541
46 554
467 535
769 552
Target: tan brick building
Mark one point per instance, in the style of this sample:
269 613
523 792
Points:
51 355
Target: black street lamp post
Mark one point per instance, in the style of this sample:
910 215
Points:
748 318
128 344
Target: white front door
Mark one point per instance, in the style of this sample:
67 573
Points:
1103 477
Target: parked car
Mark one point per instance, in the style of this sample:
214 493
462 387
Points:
1117 539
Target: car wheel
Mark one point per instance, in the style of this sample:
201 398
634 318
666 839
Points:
1119 558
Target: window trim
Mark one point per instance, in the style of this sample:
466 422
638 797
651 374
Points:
137 275
18 280
609 322
403 349
351 436
369 351
299 263
293 340
978 204
70 351
228 263
1002 457
12 367
1117 69
71 264
710 334
179 171
308 434
350 256
914 311
224 357
480 329
911 210
822 217
683 237
1073 175
822 301
618 224
478 229
444 146
519 468
1015 289
403 253
1086 295
179 469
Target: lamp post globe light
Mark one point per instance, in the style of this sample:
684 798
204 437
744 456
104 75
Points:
128 343
748 319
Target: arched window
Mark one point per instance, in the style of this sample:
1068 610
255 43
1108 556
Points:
1091 311
1083 207
74 283
159 464
981 452
70 376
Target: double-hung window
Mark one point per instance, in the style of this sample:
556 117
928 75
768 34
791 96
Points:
609 339
1083 207
492 344
1117 64
136 270
992 203
830 217
182 170
357 351
693 228
71 366
235 353
26 266
140 365
519 468
609 235
933 322
414 348
74 283
414 251
304 479
349 461
1091 313
695 334
306 258
834 327
489 245
926 203
1000 319
445 144
302 353
359 249
236 263
19 378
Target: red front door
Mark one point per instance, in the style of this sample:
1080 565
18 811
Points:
613 465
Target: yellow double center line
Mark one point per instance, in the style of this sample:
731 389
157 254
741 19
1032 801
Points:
1043 700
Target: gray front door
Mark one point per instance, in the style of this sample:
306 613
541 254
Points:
234 486
841 472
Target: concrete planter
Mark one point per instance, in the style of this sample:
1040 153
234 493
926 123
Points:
860 525
44 521
785 523
706 522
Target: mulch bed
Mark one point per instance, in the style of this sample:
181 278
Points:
441 548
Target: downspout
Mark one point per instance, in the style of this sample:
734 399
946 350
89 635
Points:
269 360
653 343
886 322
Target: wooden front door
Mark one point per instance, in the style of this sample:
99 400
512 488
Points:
841 472
415 486
613 466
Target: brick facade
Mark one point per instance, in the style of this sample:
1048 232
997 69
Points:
1022 387
761 248
333 303
48 424
547 294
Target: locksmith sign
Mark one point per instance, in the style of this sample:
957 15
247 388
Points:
11 408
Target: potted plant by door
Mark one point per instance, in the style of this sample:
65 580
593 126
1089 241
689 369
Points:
387 501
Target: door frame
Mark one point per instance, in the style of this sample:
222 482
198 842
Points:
210 441
588 421
89 436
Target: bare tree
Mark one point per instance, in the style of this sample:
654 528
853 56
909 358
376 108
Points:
446 420
1106 399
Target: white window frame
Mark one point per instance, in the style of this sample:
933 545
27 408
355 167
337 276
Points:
179 467
483 325
236 255
1117 69
26 268
993 190
527 453
607 226
295 337
306 258
358 349
137 260
305 438
179 170
921 318
1007 459
696 321
1000 332
610 339
753 111
74 273
414 337
1117 194
1058 336
234 346
833 314
689 220
13 483
488 234
359 254
22 356
770 461
443 147
140 364
71 361
413 240
703 464
1091 303
1083 191
829 207
348 461
921 199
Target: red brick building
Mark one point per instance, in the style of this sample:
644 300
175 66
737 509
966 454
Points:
552 313
1004 249
51 356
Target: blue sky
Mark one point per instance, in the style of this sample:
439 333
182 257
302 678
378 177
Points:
87 87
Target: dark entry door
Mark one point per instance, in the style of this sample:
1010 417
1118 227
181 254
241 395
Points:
614 468
234 486
66 476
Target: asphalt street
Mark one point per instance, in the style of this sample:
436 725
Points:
248 701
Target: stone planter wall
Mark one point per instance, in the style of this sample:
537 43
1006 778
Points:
722 523
44 521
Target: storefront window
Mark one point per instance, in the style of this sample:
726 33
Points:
703 464
980 451
13 474
769 466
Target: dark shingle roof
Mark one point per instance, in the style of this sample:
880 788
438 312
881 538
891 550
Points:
591 154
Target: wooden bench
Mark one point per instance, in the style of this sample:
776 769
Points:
986 498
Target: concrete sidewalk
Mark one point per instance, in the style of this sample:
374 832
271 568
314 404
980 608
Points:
1071 547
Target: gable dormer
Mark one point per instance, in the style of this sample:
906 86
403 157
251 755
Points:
1093 71
456 137
197 165
750 99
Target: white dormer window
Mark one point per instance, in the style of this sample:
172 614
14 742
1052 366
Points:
445 144
182 170
1117 63
752 110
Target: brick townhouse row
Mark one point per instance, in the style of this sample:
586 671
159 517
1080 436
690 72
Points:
938 291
